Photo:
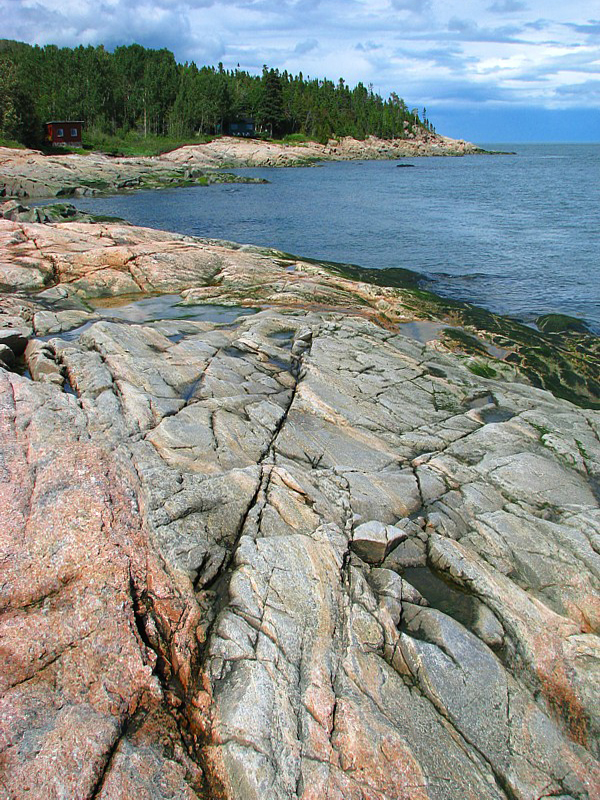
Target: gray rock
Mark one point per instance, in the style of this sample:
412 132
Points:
251 515
373 540
410 553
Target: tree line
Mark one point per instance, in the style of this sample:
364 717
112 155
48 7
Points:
139 89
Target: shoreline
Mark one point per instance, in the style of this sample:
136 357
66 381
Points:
560 355
30 174
297 548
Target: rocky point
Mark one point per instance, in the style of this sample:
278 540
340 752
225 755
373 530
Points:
293 553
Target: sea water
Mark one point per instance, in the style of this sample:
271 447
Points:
518 234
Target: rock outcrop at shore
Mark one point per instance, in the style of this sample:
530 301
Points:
234 152
295 554
29 173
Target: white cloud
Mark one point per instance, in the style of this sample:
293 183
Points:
445 53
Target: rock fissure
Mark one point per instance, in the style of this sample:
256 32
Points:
106 766
245 650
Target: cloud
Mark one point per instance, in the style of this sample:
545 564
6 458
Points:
590 27
414 6
451 57
306 46
468 30
439 53
368 47
507 7
153 24
586 89
537 25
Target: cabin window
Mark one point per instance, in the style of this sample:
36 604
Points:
60 132
74 132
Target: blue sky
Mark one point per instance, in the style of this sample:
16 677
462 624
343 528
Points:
489 71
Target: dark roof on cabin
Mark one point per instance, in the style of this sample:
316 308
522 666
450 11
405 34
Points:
64 121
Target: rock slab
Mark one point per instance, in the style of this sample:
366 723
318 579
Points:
289 556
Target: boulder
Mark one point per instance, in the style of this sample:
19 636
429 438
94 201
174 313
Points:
373 540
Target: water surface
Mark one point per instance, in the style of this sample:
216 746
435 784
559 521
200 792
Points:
517 234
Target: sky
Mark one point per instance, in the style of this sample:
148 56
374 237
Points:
488 71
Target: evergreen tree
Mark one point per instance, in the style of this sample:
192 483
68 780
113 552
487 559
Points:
270 110
8 111
18 116
135 88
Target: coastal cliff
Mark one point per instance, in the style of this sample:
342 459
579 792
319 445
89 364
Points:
291 551
29 173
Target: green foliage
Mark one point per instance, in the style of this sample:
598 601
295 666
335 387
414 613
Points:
5 142
271 114
134 143
144 92
18 117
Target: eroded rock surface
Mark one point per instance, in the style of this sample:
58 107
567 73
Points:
298 555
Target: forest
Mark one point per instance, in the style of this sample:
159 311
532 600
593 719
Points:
146 92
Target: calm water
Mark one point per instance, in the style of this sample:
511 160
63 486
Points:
517 234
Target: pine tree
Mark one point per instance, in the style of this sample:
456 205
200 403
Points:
270 111
136 88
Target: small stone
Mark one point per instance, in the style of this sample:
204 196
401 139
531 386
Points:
373 540
41 363
487 627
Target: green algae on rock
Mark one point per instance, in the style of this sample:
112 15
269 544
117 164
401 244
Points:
561 323
563 357
99 260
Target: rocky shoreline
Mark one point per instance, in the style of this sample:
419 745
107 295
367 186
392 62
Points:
30 173
271 545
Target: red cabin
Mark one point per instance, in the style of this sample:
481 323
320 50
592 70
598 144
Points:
66 133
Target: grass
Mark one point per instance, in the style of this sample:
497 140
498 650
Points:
133 143
126 144
136 144
11 143
294 138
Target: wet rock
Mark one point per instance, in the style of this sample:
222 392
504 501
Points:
388 583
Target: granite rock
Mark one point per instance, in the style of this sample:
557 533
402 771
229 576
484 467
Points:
209 533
